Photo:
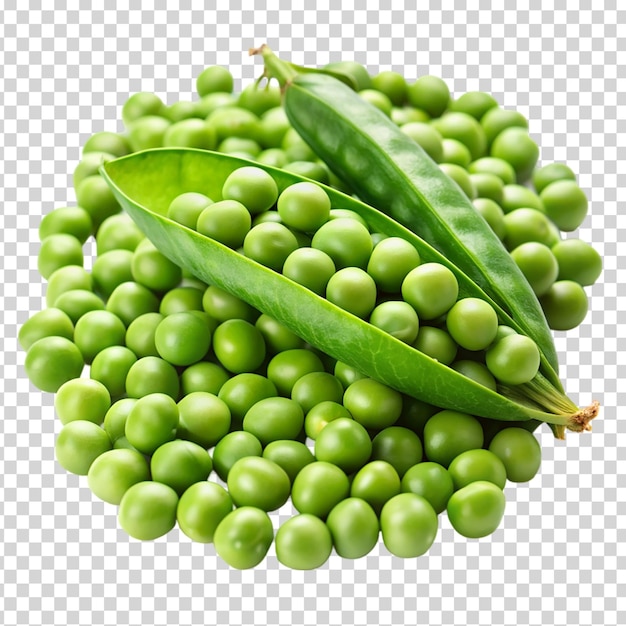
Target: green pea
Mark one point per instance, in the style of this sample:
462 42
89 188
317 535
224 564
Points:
318 487
82 399
346 241
182 338
429 93
154 270
398 446
577 261
149 375
565 204
181 299
69 220
182 110
477 371
223 306
292 456
244 390
377 99
190 133
472 323
316 387
110 270
259 100
277 337
211 102
373 404
431 289
565 305
50 322
147 132
272 419
463 128
474 103
346 373
474 465
476 510
392 84
286 368
239 346
243 537
200 510
130 300
272 128
353 290
227 222
93 195
52 361
76 302
409 525
493 215
259 482
179 464
455 152
274 157
321 414
148 510
550 173
515 145
431 481
203 418
118 232
524 225
214 78
140 334
141 104
304 206
151 422
251 186
232 447
376 483
448 433
114 472
519 451
303 542
187 207
79 444
496 120
354 528
390 262
110 367
436 343
516 196
415 414
404 115
491 165
309 267
487 186
58 251
65 279
344 443
204 377
115 418
97 330
399 319
270 244
460 176
427 137
538 264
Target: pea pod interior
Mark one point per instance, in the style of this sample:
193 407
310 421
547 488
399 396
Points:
145 183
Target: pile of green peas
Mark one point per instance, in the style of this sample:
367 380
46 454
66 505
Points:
185 406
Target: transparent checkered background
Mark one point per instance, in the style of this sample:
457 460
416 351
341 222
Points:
65 73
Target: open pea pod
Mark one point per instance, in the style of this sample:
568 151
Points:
145 183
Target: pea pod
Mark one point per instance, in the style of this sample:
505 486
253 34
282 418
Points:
145 183
390 171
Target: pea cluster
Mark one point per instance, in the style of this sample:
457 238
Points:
182 404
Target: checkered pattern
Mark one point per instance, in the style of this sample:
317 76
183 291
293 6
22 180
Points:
65 74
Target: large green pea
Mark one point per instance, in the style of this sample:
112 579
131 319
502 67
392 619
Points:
353 290
430 480
303 542
311 268
111 269
474 103
52 361
304 206
344 443
153 270
375 483
448 433
70 220
372 404
180 464
346 241
472 323
524 225
431 289
227 221
491 165
141 332
538 264
496 120
131 300
318 487
66 279
204 376
243 537
148 510
286 368
76 302
187 207
565 305
118 232
239 346
50 322
316 387
201 508
272 419
190 133
515 145
182 338
79 444
577 261
519 451
354 528
409 525
269 243
93 195
223 306
476 510
397 318
277 337
151 422
97 330
436 343
429 93
464 128
513 360
114 472
115 418
391 260
242 391
398 446
473 465
292 456
58 251
82 399
550 173
259 482
234 446
427 137
565 204
203 418
251 186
